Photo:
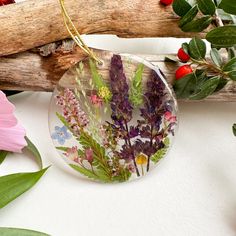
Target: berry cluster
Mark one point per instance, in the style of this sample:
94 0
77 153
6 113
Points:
185 69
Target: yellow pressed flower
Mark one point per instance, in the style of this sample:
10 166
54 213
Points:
141 159
104 93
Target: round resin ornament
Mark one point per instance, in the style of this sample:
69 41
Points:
113 122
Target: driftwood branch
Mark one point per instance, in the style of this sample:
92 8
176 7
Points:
33 23
30 71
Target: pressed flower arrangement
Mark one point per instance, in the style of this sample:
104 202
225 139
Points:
114 122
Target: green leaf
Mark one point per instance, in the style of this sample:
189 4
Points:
232 75
207 7
64 149
20 232
197 25
32 148
136 87
230 65
197 48
99 154
234 129
161 152
189 16
185 47
221 85
85 172
224 36
228 6
97 78
215 57
14 185
3 155
181 7
185 86
206 88
231 53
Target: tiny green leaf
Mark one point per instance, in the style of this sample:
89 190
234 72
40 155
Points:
197 48
230 65
189 16
228 6
85 172
224 36
234 129
97 78
215 57
185 47
161 152
185 86
32 148
207 7
197 25
64 149
136 87
20 232
14 185
3 155
181 7
206 88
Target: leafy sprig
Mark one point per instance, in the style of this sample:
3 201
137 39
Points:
212 75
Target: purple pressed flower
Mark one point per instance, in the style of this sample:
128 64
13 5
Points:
153 111
72 112
121 109
120 105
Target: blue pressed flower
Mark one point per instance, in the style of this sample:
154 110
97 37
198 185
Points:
61 134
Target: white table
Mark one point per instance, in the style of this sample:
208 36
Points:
191 193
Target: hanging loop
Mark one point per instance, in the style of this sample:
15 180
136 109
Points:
74 33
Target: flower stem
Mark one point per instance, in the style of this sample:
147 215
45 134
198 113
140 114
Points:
129 143
149 157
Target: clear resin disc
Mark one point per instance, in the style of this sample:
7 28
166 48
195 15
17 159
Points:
114 122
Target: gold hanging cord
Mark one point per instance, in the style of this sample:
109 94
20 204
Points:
75 35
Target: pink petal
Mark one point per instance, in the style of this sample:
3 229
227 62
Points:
5 106
7 120
12 139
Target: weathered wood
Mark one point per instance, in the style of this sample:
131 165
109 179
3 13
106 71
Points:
34 23
30 71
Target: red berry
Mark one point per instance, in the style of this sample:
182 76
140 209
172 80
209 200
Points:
182 71
166 2
5 2
182 55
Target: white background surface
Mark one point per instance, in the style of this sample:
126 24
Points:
191 192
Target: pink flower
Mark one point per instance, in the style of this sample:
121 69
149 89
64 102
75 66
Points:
96 100
169 117
12 134
72 154
72 111
89 155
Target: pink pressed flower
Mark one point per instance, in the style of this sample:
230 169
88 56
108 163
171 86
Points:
89 155
12 134
72 154
96 100
169 117
72 111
